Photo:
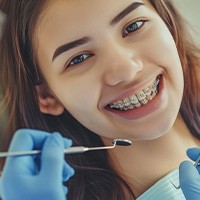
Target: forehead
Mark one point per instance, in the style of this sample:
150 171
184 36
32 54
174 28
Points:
71 7
68 20
64 13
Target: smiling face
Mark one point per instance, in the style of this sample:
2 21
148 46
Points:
113 65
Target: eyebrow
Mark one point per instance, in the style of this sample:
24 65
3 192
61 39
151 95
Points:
70 45
84 40
125 12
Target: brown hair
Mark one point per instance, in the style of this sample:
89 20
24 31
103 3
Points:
19 73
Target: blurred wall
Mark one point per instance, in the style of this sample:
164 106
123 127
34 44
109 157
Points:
191 12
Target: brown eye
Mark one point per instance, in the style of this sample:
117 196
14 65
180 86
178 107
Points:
133 27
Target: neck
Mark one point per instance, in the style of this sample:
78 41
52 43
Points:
145 162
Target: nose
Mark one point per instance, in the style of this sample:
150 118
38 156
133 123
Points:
120 66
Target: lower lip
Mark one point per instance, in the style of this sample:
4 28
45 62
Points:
144 110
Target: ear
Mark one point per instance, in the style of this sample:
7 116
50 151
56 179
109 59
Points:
48 104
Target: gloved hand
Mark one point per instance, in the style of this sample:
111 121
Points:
189 176
25 178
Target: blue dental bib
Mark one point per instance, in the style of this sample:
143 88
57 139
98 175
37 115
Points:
164 189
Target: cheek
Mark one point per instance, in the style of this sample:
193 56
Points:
161 51
77 93
161 48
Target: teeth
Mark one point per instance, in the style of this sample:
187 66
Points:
131 107
134 99
138 99
153 86
120 104
147 91
138 105
141 96
127 102
144 101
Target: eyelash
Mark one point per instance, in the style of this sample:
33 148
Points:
79 58
134 26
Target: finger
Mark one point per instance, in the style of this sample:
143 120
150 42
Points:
68 172
2 189
187 172
193 153
67 142
65 190
52 157
189 178
28 139
25 140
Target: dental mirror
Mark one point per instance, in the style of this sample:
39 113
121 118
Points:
122 142
71 150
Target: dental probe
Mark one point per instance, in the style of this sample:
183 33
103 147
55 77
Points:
195 164
197 161
71 150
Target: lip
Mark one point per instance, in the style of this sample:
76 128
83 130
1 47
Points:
144 110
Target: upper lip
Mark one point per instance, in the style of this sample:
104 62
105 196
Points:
133 90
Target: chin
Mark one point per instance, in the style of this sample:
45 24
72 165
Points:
155 131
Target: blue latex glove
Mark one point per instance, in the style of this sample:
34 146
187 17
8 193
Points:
189 176
25 179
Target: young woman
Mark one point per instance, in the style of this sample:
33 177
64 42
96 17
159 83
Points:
96 71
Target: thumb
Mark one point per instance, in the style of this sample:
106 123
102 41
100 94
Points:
52 158
1 188
193 153
189 180
188 173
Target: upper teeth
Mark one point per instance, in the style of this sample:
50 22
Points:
138 99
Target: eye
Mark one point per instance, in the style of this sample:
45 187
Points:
133 27
79 59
